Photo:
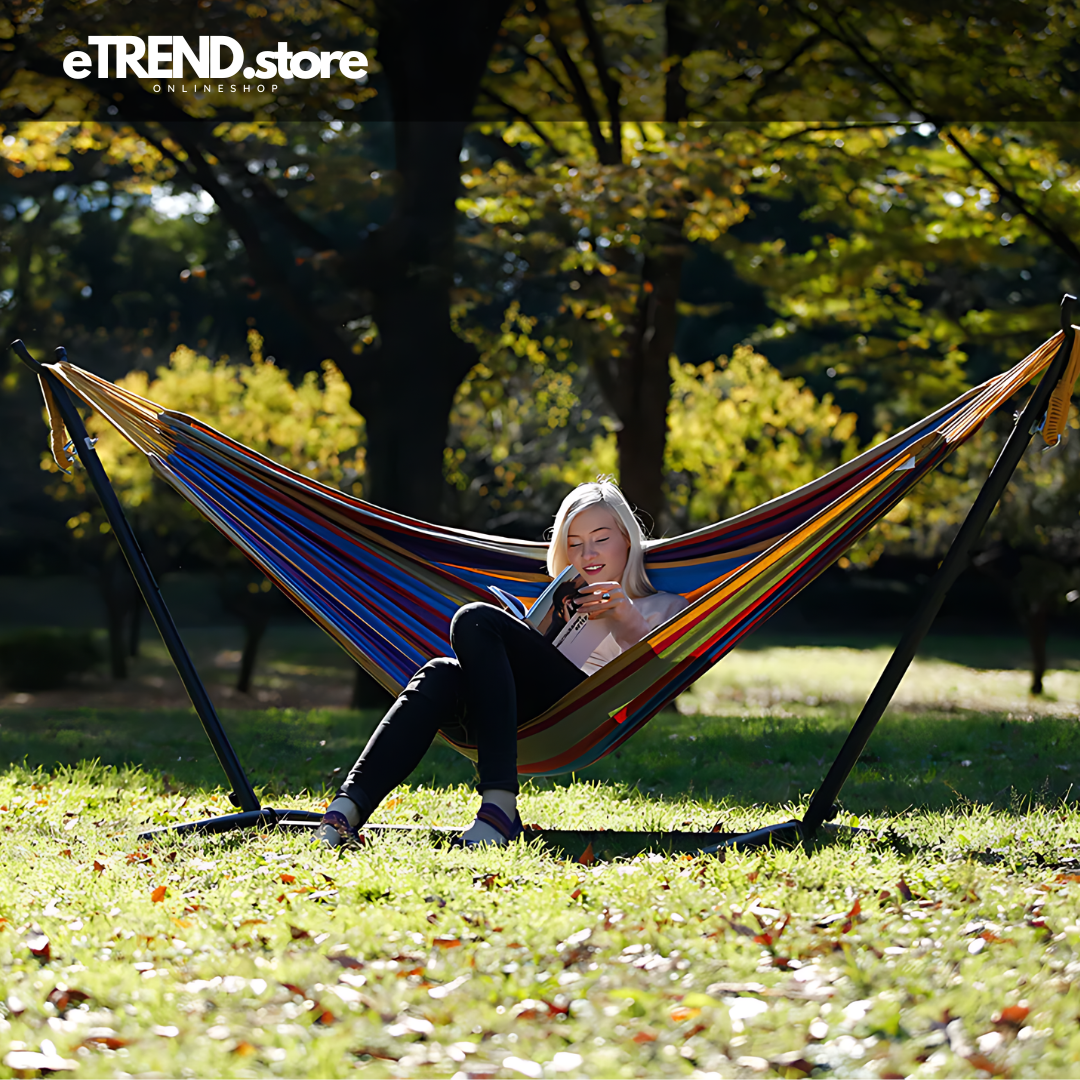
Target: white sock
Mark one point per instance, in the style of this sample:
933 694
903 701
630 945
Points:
343 805
480 832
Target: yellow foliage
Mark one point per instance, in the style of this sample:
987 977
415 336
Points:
310 427
48 146
739 434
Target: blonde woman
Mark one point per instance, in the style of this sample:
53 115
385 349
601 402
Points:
504 673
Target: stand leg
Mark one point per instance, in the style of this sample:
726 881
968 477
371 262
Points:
242 795
821 806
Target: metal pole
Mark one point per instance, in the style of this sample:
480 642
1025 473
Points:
243 795
821 805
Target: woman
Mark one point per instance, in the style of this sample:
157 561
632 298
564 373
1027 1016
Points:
504 673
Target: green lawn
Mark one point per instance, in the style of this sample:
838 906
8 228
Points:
938 939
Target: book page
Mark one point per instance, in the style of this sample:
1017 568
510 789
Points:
580 637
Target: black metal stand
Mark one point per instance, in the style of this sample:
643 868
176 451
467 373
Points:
242 795
822 805
789 833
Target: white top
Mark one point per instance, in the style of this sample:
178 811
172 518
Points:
657 609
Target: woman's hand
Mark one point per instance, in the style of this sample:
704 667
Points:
607 600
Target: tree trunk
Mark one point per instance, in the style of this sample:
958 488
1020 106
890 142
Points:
120 595
637 385
135 628
369 694
646 379
253 603
433 57
254 629
1038 620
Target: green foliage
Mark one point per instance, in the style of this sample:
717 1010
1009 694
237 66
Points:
43 659
741 434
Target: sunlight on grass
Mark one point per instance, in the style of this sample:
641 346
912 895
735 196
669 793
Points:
936 936
750 680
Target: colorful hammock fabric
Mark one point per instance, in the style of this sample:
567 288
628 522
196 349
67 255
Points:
386 586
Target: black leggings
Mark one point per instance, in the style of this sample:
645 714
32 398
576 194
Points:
505 674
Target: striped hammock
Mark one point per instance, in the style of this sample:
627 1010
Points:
386 586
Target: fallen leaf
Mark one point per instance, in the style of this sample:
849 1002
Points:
297 933
979 1061
644 1036
39 946
98 867
446 941
587 858
793 1068
62 1000
1013 1015
287 879
158 894
682 1012
243 1049
347 961
852 917
66 853
107 1042
371 1052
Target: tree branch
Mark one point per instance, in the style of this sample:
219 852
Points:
543 65
1005 190
607 153
1060 239
770 76
607 83
514 111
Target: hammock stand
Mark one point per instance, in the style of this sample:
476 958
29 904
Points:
603 843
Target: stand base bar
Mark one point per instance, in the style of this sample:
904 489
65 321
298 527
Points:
582 845
266 818
784 834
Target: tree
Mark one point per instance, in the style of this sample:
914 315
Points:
431 60
310 427
681 65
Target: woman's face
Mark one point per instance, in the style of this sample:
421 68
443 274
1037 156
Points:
596 545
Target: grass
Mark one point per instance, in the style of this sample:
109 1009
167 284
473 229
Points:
940 939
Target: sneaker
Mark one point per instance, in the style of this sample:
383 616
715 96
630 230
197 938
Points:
335 831
497 818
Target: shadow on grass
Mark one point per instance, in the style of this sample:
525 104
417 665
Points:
914 760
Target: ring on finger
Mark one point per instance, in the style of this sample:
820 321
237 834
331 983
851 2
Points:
605 596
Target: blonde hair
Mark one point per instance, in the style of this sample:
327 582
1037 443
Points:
601 492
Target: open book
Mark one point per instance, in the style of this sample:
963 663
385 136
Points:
555 616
